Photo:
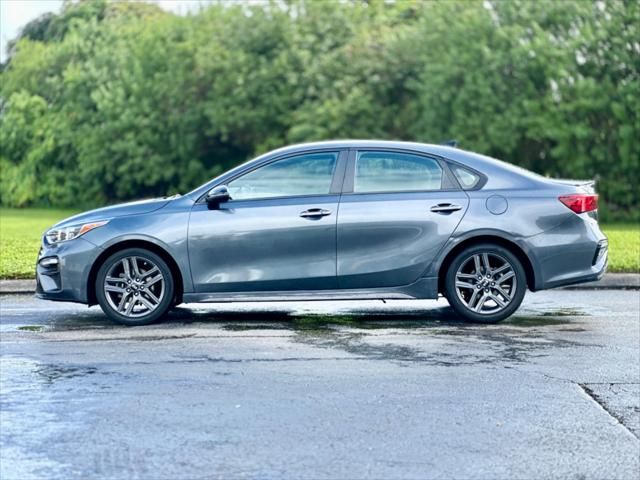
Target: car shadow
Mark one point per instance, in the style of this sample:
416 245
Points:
231 317
297 320
443 316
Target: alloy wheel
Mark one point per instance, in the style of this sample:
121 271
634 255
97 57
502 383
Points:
134 286
485 283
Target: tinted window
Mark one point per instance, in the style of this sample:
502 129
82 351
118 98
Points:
303 175
395 172
467 178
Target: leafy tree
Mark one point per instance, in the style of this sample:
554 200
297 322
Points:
109 101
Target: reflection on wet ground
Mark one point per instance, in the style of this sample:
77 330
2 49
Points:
433 335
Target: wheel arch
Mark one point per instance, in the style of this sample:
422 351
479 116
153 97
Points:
510 245
135 243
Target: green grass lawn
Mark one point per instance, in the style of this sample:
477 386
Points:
624 247
22 229
20 236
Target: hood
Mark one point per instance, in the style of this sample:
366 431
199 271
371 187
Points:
120 210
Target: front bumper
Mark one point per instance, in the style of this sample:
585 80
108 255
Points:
66 280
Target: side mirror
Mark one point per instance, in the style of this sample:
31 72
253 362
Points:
216 196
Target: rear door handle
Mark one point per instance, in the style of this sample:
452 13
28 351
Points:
315 213
445 208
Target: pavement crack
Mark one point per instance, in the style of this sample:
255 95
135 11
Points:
593 396
553 377
611 384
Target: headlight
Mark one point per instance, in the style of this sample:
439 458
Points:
63 234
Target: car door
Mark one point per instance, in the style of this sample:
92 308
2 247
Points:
277 232
397 211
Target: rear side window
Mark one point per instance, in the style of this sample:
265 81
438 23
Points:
467 178
395 172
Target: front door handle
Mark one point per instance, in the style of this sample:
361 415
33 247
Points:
315 213
445 208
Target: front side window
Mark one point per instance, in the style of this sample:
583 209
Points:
308 174
395 172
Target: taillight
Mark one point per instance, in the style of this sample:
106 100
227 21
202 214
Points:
580 202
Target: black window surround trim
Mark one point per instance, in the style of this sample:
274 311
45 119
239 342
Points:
344 172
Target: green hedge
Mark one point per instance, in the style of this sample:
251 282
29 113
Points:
112 101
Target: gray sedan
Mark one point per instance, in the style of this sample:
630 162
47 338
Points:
334 220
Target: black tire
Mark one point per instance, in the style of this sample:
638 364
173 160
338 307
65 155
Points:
458 296
143 258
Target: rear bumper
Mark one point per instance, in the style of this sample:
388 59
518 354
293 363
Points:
572 253
595 273
66 281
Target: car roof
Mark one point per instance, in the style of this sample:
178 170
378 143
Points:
442 150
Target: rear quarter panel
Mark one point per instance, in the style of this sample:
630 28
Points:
524 209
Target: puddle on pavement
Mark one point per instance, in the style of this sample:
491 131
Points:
31 328
245 327
326 323
402 320
323 323
434 336
247 321
565 312
93 320
551 317
52 373
441 346
445 342
534 321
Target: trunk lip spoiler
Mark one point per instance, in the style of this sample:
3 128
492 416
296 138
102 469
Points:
587 187
576 183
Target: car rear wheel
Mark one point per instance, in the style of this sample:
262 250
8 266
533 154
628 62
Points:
485 283
135 287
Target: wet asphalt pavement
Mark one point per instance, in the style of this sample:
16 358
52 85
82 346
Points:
323 390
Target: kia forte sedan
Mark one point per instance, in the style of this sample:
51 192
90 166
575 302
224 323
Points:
334 220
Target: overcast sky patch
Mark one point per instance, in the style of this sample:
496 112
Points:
15 14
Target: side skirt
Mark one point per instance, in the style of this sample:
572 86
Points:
424 288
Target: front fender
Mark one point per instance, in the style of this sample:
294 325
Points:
166 230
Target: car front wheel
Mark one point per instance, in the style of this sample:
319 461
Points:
135 287
485 283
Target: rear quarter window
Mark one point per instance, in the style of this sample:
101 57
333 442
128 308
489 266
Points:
467 178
